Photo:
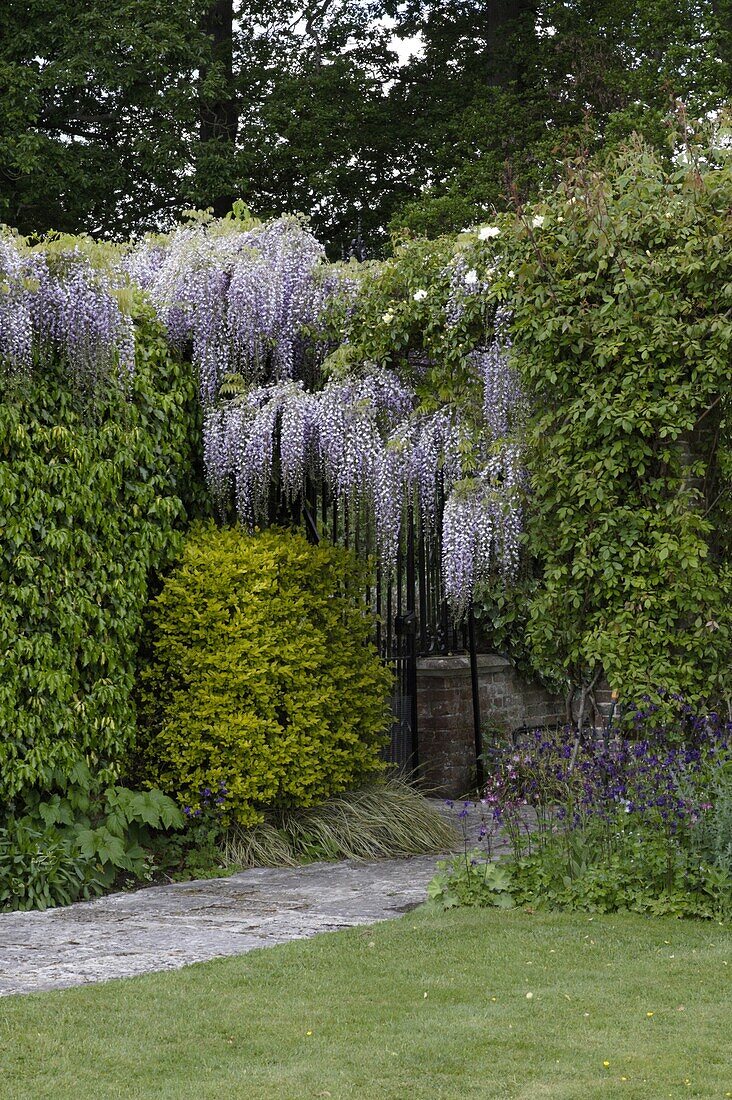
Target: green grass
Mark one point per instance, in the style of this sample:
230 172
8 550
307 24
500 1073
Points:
430 1006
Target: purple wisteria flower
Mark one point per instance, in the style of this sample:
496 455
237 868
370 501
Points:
59 304
241 295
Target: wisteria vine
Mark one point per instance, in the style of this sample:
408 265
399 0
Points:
58 303
243 295
248 300
366 438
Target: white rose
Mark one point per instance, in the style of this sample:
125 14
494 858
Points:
387 317
420 295
471 277
486 232
537 221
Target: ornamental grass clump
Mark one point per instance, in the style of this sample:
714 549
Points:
607 821
263 676
386 819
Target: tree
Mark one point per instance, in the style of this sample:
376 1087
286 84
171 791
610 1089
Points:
115 117
96 106
218 110
506 101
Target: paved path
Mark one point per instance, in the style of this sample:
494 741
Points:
166 927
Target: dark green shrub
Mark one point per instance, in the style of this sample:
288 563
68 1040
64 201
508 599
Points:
91 503
263 677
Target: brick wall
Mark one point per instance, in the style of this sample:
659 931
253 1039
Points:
445 714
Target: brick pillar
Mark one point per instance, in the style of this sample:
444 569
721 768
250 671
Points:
445 714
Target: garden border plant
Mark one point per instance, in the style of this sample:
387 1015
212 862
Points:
263 675
602 822
622 334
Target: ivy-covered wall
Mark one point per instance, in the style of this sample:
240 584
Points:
622 334
93 496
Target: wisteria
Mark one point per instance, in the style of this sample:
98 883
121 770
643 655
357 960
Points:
468 535
362 436
251 301
336 434
501 388
77 316
243 295
58 303
18 276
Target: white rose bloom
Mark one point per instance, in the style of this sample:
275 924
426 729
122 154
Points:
487 231
512 274
537 221
387 317
420 295
471 277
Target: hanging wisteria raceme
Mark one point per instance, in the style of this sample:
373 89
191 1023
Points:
481 527
355 415
429 447
60 304
502 396
240 440
505 477
273 296
298 437
482 522
467 543
19 275
242 295
482 519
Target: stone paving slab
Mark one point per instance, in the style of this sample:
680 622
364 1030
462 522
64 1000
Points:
167 927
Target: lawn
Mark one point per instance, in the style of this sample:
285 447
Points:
430 1006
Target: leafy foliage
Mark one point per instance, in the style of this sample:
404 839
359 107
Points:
602 824
622 336
639 876
305 107
263 677
38 870
471 880
92 500
712 835
57 849
504 90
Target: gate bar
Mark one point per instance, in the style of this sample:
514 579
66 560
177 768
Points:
480 775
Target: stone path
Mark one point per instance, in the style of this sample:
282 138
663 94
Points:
166 927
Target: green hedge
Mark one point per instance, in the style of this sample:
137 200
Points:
263 680
91 501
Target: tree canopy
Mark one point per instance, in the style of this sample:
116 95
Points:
115 116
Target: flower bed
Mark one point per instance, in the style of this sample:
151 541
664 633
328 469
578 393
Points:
637 821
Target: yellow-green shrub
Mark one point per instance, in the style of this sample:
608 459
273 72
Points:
263 679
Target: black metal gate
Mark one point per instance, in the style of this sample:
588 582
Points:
412 615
